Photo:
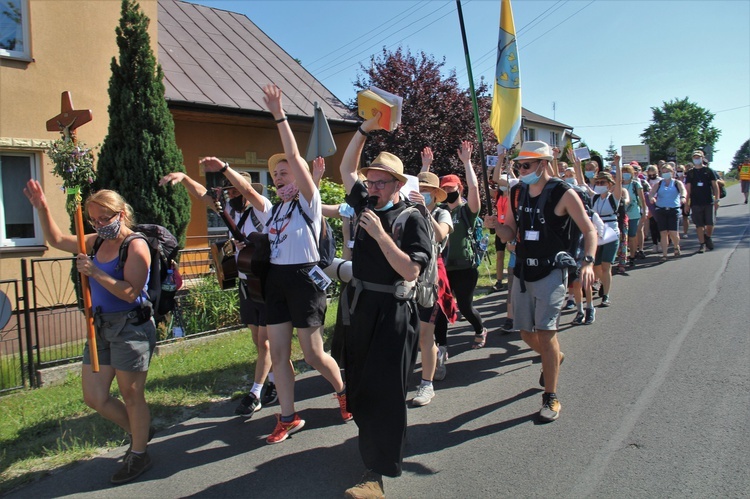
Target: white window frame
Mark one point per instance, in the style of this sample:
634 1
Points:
554 138
24 54
529 134
38 239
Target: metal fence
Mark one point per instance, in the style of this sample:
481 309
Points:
46 324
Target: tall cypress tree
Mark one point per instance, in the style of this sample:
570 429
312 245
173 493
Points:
140 146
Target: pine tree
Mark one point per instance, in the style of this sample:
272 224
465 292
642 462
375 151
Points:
611 152
140 146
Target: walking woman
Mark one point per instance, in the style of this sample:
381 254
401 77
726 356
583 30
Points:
668 195
293 299
125 331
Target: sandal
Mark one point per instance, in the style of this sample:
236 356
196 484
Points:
663 259
480 340
677 251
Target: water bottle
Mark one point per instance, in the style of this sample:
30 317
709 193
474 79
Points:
168 285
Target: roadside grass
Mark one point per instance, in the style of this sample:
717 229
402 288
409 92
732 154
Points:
49 428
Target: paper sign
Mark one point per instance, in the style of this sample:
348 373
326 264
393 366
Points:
639 153
582 153
412 184
491 161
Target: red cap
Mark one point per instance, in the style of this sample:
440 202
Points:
634 163
450 180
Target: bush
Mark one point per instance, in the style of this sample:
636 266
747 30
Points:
206 307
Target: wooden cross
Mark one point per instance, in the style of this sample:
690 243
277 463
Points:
69 119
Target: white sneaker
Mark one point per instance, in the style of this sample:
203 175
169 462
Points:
440 369
424 395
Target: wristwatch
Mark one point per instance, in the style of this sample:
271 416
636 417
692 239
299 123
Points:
588 259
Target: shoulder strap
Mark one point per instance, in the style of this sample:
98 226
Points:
123 253
274 209
256 222
310 222
613 203
97 244
401 219
243 218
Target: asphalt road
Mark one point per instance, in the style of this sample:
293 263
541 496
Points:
655 403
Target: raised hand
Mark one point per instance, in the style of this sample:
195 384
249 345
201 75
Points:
464 151
171 178
35 194
372 123
211 164
427 158
272 99
319 168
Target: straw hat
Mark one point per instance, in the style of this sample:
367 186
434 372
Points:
275 160
534 149
388 163
604 176
429 179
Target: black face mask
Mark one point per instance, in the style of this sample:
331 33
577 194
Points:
652 177
452 197
237 203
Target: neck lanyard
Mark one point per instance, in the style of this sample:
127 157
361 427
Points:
279 222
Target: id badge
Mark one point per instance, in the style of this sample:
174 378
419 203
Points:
700 184
350 244
531 235
275 253
319 278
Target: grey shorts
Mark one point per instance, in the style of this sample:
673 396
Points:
702 214
122 344
539 307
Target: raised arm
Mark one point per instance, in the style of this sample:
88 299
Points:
618 179
350 161
52 233
427 158
195 189
319 169
215 165
577 168
472 185
297 165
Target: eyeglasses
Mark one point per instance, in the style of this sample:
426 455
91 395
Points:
104 220
377 184
605 183
527 166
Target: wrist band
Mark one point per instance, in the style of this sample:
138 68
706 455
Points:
366 134
281 120
224 168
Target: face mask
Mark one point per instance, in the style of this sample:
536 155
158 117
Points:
652 176
571 180
626 176
601 189
387 206
427 198
697 161
589 174
288 192
666 176
680 174
452 197
531 178
237 203
110 231
504 188
346 211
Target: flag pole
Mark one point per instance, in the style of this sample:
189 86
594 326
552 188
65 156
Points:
477 120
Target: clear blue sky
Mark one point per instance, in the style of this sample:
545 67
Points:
604 63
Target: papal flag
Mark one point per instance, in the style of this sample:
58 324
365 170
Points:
505 117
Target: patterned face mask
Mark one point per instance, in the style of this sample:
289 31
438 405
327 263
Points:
287 192
110 231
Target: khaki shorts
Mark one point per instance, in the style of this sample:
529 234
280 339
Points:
702 214
122 344
539 307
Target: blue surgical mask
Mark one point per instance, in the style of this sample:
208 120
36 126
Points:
531 178
504 188
346 211
427 198
589 174
601 189
387 206
571 180
626 176
666 176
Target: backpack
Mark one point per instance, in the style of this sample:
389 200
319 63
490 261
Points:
476 236
164 248
326 239
427 282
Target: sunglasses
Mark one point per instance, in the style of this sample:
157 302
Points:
527 166
378 184
101 221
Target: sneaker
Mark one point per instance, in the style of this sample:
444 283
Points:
590 316
133 466
151 433
269 396
345 415
369 487
709 243
605 301
498 286
541 372
248 406
508 326
424 395
440 369
570 305
631 262
550 408
579 318
601 291
283 430
640 255
702 248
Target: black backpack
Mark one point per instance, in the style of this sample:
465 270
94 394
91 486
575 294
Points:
164 248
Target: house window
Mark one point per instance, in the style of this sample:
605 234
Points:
529 134
14 29
18 222
216 225
554 139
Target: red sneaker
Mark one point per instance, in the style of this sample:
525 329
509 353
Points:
283 430
346 415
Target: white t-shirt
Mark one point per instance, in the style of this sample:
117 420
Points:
248 227
292 242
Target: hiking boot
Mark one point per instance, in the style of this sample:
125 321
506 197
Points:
550 407
133 466
151 433
440 369
508 326
569 305
424 395
702 248
269 396
605 301
541 372
590 316
345 415
248 406
709 243
579 318
369 487
283 430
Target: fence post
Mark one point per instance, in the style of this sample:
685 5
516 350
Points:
31 366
